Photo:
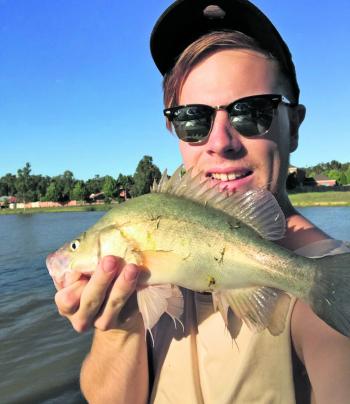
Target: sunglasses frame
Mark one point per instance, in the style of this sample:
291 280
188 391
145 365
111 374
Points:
275 99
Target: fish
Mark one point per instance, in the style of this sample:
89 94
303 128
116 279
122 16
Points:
185 233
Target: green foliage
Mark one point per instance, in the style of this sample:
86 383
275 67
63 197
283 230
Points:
52 192
334 170
146 172
68 181
109 187
125 181
343 179
94 185
333 174
347 173
23 184
78 192
7 185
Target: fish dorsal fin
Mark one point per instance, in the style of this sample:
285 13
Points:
257 208
258 307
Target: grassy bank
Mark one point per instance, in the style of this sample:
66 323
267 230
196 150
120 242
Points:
329 198
88 208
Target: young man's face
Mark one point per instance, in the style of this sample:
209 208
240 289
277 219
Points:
256 162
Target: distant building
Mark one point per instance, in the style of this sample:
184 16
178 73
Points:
97 197
124 194
324 181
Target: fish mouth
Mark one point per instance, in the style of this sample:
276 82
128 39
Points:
60 271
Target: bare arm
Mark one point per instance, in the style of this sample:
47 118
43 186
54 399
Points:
325 354
116 368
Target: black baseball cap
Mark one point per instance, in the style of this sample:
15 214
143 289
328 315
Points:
184 21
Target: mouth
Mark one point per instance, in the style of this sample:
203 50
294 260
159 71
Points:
231 180
230 176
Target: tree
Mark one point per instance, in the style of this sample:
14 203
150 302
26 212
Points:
64 186
94 185
146 172
347 173
342 179
39 185
109 187
8 185
79 191
23 184
67 183
334 174
52 192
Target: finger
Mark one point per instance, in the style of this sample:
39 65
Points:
95 291
122 289
68 299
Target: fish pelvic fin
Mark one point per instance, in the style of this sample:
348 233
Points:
155 300
257 307
256 208
329 297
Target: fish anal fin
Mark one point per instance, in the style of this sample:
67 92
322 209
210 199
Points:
256 307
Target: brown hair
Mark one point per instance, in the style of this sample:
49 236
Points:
199 50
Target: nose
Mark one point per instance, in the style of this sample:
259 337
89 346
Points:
224 140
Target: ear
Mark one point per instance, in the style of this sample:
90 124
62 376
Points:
297 115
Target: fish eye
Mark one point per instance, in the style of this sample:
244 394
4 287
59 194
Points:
74 245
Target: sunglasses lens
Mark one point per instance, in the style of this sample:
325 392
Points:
193 123
252 117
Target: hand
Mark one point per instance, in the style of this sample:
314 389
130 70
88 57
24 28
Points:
98 301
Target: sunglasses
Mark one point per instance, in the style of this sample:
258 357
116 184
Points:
250 116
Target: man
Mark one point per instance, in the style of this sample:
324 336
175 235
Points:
241 145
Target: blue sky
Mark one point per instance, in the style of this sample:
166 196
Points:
79 90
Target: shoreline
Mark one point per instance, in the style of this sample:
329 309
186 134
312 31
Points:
299 200
322 198
33 211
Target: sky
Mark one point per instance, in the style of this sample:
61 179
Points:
79 90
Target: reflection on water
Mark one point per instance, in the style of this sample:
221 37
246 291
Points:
40 354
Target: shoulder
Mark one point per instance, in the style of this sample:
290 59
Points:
300 232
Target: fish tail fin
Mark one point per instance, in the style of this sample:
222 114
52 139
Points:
330 295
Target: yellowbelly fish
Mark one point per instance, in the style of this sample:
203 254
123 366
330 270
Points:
188 234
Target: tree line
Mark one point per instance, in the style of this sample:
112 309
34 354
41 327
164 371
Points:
333 170
27 187
65 187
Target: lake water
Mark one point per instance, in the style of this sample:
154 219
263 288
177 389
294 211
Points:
40 354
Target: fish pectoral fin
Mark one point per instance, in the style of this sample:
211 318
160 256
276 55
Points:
155 300
258 307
